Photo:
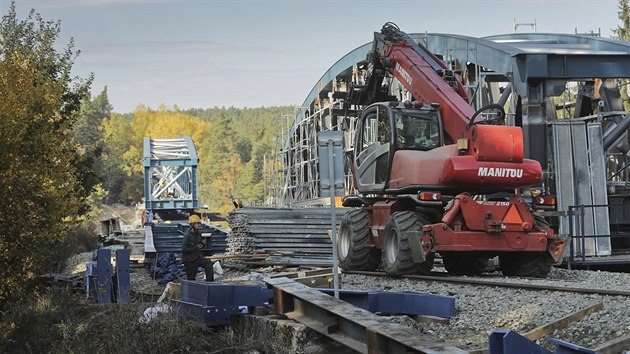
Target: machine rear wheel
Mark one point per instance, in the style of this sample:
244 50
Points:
464 263
353 248
525 264
397 258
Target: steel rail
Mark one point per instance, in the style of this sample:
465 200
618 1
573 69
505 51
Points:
481 282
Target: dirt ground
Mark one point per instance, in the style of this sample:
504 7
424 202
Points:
130 216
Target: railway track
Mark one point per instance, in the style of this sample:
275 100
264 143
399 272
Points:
480 281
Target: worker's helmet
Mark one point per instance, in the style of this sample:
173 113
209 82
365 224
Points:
194 219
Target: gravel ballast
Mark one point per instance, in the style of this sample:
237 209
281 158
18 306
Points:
480 309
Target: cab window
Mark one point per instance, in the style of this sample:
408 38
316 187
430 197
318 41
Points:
416 132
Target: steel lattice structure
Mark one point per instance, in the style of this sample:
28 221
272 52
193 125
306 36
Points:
170 174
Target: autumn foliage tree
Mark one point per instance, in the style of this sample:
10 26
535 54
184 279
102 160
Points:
623 32
41 180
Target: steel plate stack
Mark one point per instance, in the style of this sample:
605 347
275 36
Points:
301 232
167 237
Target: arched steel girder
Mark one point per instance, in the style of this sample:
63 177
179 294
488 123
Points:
525 59
535 56
519 56
340 71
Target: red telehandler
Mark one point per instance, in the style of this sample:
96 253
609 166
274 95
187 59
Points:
436 176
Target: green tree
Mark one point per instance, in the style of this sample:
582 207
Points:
87 130
250 183
116 137
87 134
220 165
41 176
247 132
623 31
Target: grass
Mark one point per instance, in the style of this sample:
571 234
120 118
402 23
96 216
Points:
62 322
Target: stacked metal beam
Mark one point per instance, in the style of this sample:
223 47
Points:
293 232
167 237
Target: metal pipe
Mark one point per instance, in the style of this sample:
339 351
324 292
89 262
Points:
614 134
571 233
583 232
505 95
331 167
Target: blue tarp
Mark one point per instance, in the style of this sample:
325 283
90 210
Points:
167 268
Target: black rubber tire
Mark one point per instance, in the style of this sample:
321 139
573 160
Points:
464 263
397 258
525 264
353 248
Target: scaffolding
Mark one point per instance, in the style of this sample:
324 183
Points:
292 175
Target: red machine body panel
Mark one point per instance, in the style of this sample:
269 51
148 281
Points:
479 176
444 167
498 143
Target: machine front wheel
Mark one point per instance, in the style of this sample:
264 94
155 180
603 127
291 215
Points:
353 248
397 257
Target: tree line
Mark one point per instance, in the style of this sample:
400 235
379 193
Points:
231 144
63 151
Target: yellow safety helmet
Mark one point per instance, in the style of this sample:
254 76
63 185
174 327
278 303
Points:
193 219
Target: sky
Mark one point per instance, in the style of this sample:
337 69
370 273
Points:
246 53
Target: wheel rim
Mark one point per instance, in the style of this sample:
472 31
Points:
343 244
391 247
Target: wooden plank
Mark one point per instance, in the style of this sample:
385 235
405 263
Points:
317 281
317 278
564 322
431 319
136 259
617 345
303 273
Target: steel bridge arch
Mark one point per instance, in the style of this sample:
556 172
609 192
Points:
564 56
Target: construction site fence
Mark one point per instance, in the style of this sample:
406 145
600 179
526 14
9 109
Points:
616 241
